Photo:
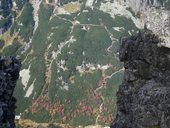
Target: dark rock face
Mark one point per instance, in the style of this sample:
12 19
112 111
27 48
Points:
9 73
144 96
5 15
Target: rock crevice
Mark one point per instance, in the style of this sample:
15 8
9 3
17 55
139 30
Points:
143 99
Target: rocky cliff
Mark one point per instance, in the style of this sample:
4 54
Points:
9 73
155 16
143 99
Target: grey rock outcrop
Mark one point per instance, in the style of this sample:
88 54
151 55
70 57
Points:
155 17
9 73
158 20
141 5
143 99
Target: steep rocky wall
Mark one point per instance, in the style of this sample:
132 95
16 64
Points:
9 73
143 98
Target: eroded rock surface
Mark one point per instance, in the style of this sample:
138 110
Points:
9 73
156 17
144 96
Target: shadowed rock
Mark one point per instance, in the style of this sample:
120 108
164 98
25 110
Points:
143 99
9 73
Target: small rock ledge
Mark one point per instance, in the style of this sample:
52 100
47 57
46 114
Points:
9 73
143 99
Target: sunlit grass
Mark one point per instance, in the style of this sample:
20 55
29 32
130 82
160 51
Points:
72 7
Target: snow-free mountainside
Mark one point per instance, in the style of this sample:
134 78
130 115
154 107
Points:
69 51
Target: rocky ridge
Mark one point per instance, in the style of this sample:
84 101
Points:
144 96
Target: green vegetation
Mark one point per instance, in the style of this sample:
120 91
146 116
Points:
167 4
58 46
110 92
127 26
62 2
39 45
37 61
19 94
12 49
5 22
53 126
2 42
40 116
121 21
20 3
89 46
93 43
83 120
95 16
25 22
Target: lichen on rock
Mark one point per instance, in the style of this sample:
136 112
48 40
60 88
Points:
143 99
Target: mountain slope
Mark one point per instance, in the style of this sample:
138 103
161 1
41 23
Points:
69 51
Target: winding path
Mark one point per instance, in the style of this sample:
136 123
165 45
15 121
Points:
100 88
